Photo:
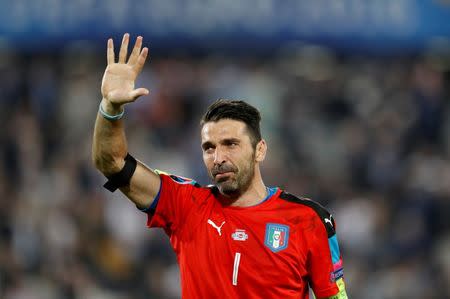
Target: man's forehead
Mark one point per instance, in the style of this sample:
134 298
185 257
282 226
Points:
223 128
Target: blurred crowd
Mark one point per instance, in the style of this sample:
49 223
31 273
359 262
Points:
367 137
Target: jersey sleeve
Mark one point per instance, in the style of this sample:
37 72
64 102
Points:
324 259
173 203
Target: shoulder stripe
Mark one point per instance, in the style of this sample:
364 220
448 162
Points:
179 179
324 215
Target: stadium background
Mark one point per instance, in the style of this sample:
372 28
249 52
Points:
355 104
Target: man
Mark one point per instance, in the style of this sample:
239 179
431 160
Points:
237 238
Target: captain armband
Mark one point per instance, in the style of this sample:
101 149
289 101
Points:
123 177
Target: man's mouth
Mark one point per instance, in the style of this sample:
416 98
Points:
221 175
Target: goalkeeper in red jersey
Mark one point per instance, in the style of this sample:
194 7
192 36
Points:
236 238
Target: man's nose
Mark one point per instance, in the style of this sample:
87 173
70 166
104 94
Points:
219 156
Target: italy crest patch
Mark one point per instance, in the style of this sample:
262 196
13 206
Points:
277 236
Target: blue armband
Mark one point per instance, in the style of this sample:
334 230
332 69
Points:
109 116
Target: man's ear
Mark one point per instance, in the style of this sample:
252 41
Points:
261 149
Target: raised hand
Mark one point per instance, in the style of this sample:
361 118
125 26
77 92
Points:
119 78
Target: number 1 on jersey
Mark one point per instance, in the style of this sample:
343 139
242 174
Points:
237 259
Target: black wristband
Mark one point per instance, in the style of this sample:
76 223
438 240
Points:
123 177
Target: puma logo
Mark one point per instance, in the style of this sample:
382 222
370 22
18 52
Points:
219 228
329 220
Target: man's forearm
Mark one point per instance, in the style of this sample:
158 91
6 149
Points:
109 146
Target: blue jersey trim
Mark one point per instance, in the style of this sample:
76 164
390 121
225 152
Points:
155 201
334 248
270 191
152 207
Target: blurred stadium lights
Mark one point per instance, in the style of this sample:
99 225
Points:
376 26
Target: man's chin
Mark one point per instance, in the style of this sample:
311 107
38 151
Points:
227 188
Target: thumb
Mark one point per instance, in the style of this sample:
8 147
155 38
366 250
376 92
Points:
139 92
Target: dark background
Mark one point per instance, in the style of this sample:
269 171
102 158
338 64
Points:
355 103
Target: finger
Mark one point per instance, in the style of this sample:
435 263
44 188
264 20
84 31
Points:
110 51
124 48
136 50
139 92
141 60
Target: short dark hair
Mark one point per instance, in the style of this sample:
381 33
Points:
236 110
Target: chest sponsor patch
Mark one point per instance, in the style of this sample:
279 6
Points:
276 237
239 235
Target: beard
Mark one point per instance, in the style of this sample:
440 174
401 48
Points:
237 181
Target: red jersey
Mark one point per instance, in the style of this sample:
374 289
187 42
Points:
275 249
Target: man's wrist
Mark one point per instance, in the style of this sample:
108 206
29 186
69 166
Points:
111 111
111 108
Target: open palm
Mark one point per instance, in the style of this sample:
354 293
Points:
119 78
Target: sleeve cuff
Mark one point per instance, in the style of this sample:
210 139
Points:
152 207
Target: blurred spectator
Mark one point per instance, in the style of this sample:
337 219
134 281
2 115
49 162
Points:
368 137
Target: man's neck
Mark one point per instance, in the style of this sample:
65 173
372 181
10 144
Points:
255 194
